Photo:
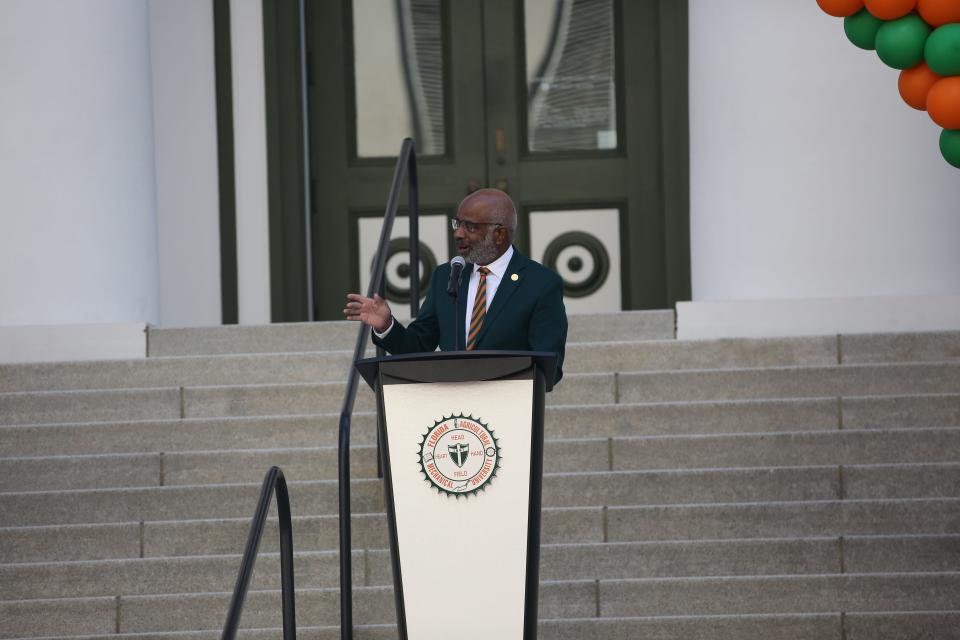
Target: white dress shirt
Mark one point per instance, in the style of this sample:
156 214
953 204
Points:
498 268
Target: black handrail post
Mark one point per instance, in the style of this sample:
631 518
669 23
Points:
413 204
274 480
380 352
406 167
287 593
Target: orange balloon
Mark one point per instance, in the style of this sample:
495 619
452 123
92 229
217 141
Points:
914 84
890 9
939 12
841 8
943 102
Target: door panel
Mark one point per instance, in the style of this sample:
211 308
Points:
399 96
558 151
583 246
349 183
434 249
570 76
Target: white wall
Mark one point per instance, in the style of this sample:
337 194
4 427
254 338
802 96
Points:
185 127
810 178
77 206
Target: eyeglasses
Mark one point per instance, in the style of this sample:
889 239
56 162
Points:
471 227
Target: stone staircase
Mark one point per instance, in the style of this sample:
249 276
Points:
803 488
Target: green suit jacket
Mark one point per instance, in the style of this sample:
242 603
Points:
527 314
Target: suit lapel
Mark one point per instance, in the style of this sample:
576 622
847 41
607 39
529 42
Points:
508 286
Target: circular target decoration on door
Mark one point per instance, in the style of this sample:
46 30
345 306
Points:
581 260
397 269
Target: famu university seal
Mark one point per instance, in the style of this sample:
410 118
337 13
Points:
459 455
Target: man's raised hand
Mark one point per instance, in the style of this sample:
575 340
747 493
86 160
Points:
374 312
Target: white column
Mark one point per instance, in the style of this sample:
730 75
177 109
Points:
78 224
185 124
250 161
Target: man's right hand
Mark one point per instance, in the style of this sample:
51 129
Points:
374 312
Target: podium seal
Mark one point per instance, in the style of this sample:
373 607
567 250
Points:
459 455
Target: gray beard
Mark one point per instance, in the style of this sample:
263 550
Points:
484 252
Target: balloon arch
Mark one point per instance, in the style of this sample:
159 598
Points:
922 39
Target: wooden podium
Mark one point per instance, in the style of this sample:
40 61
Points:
461 438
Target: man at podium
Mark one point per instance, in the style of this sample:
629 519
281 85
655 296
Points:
504 300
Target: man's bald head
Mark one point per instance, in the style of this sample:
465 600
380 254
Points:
494 205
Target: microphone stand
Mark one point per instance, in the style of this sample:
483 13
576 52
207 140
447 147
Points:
456 320
454 293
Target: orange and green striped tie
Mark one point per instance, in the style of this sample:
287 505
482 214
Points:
479 310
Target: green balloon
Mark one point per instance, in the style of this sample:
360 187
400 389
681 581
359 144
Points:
900 42
861 29
950 146
942 51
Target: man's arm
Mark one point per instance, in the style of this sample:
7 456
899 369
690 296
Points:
421 335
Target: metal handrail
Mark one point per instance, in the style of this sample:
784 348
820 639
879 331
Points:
274 481
406 167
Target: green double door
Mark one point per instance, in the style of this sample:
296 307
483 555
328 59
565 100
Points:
576 108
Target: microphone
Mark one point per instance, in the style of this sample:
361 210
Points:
456 268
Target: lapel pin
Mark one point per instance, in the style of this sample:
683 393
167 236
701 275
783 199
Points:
514 277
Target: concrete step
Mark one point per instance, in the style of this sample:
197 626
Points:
233 339
901 411
617 488
869 446
847 380
610 420
900 554
317 365
560 490
900 347
200 574
145 614
942 625
114 405
576 389
846 447
264 432
668 355
117 471
281 338
333 366
372 568
603 561
783 519
228 535
325 366
778 595
285 399
933 480
90 406
570 525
